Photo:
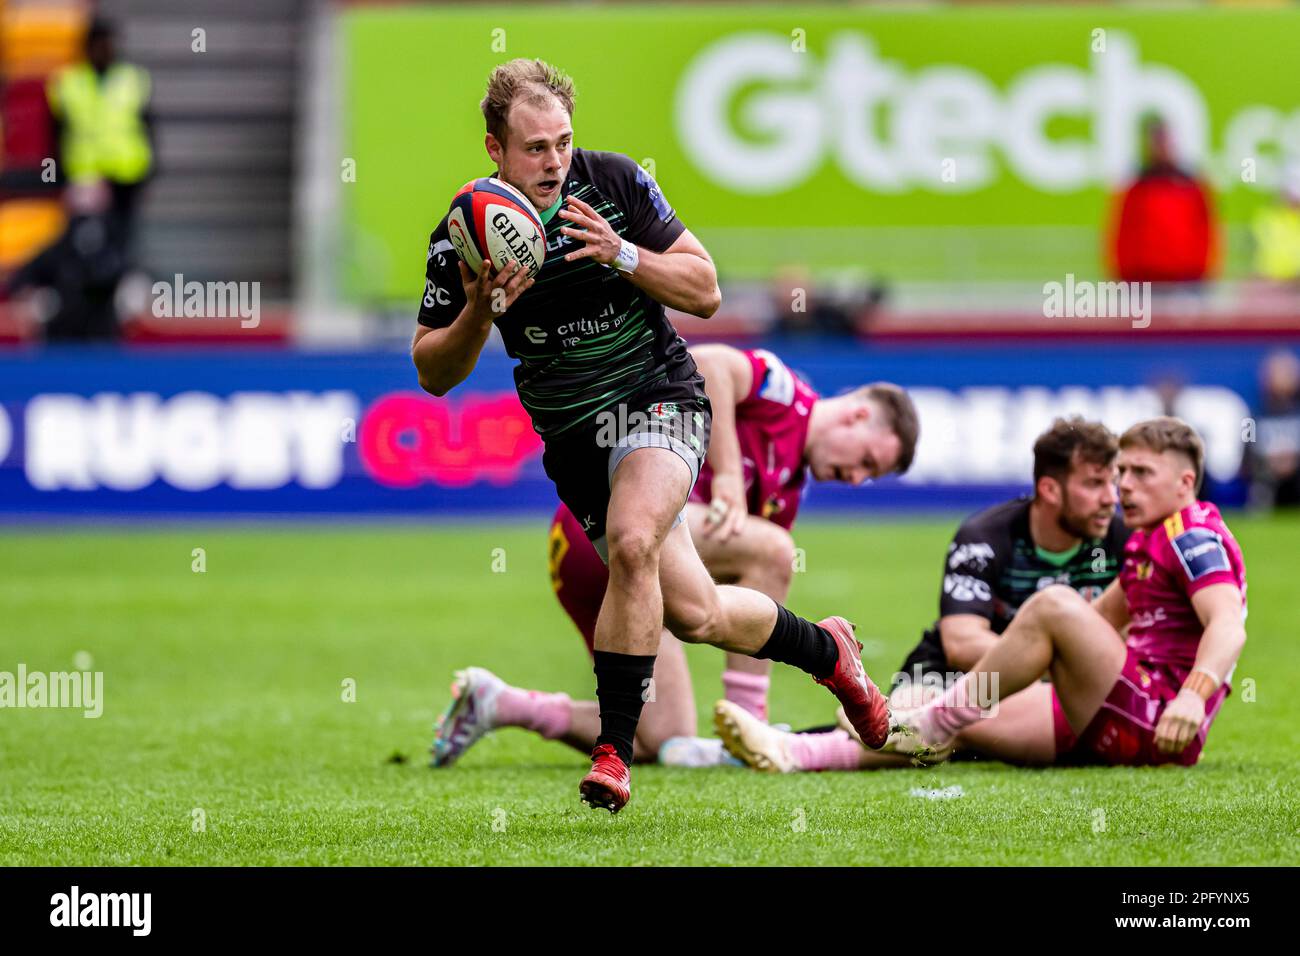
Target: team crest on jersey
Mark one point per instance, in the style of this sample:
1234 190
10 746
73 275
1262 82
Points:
1143 677
1201 552
662 410
1143 570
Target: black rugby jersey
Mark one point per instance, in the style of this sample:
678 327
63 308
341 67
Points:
992 568
585 337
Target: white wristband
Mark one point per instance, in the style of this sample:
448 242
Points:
629 257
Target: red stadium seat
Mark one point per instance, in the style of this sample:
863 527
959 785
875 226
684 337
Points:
26 123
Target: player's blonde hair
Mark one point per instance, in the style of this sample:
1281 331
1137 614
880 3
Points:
1167 433
535 81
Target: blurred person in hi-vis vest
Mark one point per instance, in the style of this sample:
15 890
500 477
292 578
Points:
103 128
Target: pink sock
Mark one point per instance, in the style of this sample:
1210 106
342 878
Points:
830 751
746 690
547 714
953 711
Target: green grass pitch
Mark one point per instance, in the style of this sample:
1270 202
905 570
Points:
225 737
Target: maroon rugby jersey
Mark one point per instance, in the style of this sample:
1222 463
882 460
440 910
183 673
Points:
1163 568
772 425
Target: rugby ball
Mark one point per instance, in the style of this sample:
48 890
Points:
490 219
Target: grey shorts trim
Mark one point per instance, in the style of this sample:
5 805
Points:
649 439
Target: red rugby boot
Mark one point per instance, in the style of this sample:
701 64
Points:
609 784
864 705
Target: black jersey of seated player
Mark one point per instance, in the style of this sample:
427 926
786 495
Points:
585 337
992 568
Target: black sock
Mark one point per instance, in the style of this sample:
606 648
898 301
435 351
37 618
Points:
801 643
622 686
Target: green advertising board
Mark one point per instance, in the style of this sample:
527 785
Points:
934 143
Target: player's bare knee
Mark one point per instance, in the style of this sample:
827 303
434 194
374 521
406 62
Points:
764 559
778 555
633 551
1054 603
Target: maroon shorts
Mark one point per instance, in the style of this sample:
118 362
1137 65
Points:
578 574
1124 730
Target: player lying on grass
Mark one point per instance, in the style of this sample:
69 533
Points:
619 404
1149 699
770 430
1066 533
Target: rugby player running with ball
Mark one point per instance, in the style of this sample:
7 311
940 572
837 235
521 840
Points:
593 345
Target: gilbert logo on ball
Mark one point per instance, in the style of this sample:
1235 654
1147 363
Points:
491 219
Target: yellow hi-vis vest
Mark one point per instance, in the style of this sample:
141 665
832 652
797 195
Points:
1277 243
104 134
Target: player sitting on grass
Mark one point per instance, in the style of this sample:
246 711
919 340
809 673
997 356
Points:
619 404
999 558
770 429
1149 699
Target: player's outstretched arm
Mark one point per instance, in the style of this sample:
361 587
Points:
728 377
1219 608
681 277
445 357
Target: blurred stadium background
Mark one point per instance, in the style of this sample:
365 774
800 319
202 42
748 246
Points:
886 192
